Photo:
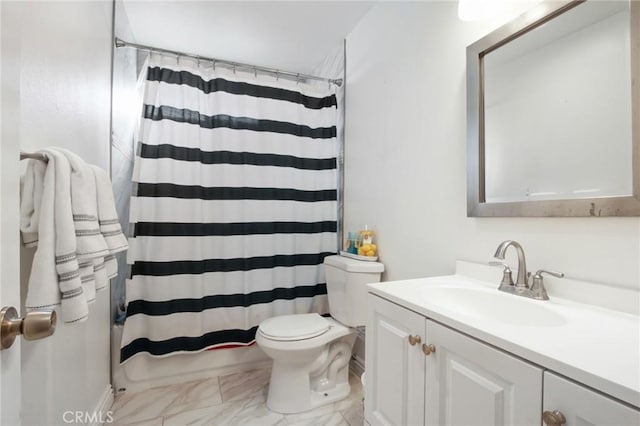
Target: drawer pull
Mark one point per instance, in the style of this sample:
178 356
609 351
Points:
428 349
553 418
414 340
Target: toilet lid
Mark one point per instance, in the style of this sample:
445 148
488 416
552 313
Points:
294 327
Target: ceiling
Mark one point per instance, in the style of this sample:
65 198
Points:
289 35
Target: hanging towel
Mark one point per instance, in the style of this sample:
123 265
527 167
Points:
108 219
100 273
90 242
56 243
30 202
91 245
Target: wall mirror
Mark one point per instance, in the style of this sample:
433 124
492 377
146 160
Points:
553 113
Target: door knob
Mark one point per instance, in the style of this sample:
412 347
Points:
428 349
553 418
414 340
35 325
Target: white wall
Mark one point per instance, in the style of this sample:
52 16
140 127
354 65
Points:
60 63
405 156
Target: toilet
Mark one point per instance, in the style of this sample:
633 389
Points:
311 353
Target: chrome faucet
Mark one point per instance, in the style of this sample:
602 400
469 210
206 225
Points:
521 287
521 279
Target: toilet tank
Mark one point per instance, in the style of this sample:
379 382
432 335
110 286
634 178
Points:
347 281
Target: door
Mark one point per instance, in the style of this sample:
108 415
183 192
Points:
471 383
576 405
10 377
394 390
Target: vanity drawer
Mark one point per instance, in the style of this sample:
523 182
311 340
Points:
580 405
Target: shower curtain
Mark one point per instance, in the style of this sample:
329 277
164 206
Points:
233 207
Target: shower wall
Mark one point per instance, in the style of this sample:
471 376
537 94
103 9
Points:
126 112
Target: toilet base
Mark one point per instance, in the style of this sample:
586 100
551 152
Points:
289 391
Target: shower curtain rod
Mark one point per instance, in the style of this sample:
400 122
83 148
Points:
235 65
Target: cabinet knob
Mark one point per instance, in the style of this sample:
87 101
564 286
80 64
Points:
428 349
553 418
414 340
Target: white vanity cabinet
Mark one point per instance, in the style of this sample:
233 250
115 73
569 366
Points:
464 382
471 383
395 365
420 372
582 406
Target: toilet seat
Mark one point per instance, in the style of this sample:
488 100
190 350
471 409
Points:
294 327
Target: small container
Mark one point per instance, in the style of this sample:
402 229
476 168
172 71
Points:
366 246
351 245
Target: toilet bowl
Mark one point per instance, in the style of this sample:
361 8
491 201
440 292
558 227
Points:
310 352
307 371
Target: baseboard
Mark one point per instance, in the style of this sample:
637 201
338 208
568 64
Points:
103 408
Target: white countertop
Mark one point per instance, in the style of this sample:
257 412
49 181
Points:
596 346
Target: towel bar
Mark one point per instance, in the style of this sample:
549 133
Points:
35 156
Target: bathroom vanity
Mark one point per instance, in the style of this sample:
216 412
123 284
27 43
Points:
454 350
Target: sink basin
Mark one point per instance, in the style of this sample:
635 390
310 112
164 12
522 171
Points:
493 305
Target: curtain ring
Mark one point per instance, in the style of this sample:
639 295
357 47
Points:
213 64
277 75
298 78
255 72
234 69
198 61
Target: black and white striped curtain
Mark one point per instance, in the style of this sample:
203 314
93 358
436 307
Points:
234 207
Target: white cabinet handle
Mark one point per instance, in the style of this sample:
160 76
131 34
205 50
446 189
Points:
414 340
553 418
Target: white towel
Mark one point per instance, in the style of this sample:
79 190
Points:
91 245
90 242
108 219
56 245
100 273
30 202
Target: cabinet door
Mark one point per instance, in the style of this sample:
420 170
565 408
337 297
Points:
394 389
472 383
581 406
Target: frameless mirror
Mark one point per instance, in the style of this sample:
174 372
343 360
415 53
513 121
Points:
553 113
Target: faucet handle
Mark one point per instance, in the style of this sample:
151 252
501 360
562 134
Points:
537 287
507 279
539 273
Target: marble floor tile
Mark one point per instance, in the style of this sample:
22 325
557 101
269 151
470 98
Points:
235 399
330 419
145 405
220 414
244 385
255 412
153 422
321 411
196 394
354 415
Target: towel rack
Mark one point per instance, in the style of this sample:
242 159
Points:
34 155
